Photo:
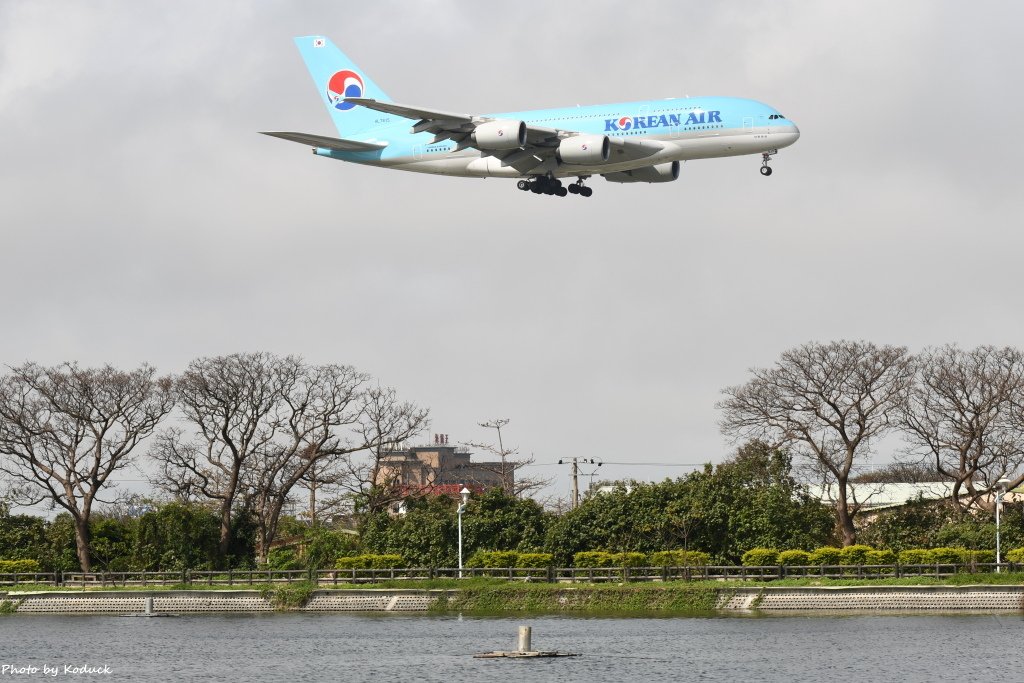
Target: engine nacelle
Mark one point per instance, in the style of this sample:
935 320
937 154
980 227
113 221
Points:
662 173
500 135
584 150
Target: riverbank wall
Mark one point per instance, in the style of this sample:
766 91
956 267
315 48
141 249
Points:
981 599
889 599
186 601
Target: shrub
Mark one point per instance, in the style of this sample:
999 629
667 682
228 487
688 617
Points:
593 558
880 557
794 558
916 556
679 558
826 555
1016 556
535 560
19 567
949 555
696 558
854 555
493 559
284 558
323 547
976 557
353 562
629 560
760 557
370 562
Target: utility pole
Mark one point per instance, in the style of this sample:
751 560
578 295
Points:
576 476
575 484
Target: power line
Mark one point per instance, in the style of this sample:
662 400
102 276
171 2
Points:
632 464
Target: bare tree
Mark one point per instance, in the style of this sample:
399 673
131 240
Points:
322 401
959 417
314 404
326 492
261 425
826 402
231 401
65 430
508 466
385 424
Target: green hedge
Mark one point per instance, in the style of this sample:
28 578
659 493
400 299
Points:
371 562
916 556
19 567
535 560
593 558
1015 555
493 559
880 557
760 557
826 555
794 558
629 559
854 555
679 558
976 557
949 555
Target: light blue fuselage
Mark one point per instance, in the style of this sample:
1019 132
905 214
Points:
695 128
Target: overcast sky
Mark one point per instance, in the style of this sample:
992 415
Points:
143 219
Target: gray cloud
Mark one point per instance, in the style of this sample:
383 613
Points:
142 217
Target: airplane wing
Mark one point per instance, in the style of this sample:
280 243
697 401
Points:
541 142
328 142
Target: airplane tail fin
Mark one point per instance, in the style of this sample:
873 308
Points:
336 77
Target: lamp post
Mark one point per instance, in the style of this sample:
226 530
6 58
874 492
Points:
462 508
1000 490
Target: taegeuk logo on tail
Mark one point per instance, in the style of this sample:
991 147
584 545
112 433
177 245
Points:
344 84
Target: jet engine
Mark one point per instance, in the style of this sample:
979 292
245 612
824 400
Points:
584 150
661 173
500 135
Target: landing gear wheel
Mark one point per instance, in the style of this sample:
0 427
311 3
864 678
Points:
574 188
766 170
536 188
561 191
586 191
523 185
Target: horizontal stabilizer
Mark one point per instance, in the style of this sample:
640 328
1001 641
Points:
330 143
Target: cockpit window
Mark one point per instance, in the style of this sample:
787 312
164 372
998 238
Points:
776 116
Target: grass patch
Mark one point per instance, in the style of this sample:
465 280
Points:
648 597
9 606
289 596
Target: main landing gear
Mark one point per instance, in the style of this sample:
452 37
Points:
766 170
553 186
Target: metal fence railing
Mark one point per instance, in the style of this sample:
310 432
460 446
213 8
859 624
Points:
335 577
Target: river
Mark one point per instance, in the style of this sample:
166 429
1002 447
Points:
348 647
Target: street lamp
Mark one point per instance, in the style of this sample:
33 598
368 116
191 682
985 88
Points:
462 508
1000 491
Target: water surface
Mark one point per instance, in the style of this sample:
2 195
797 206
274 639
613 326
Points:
313 647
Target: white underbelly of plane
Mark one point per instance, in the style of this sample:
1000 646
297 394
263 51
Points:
675 149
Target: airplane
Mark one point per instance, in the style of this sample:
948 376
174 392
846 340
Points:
630 142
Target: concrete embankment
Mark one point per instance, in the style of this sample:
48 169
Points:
182 602
982 599
977 599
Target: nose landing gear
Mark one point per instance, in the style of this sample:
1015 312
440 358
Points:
766 170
